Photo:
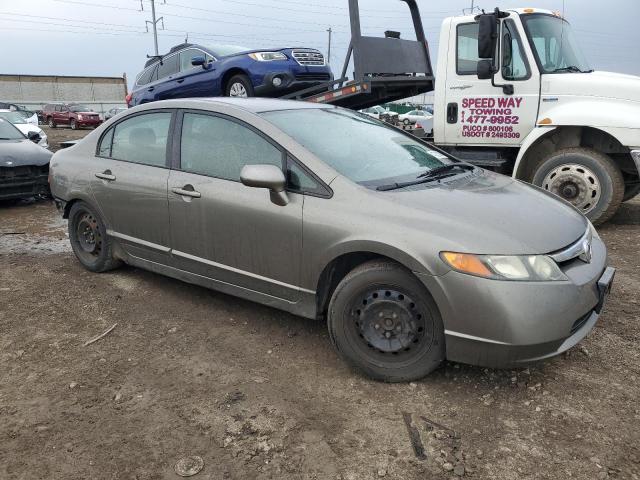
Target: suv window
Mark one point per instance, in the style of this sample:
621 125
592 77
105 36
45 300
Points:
218 147
139 139
514 65
187 55
169 66
145 76
467 49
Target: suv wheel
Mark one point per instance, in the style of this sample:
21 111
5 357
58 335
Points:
385 323
73 124
89 240
51 123
239 86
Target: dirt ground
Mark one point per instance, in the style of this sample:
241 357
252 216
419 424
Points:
260 394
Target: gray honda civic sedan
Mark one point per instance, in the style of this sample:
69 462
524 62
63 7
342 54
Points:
410 255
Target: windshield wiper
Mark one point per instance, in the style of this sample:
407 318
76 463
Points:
427 176
570 68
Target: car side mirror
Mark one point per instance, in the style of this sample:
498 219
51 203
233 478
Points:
485 69
198 61
266 176
34 136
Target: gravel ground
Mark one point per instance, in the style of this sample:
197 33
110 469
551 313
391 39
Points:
258 393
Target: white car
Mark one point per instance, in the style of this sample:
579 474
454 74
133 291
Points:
413 116
22 124
376 111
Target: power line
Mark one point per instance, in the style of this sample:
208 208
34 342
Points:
68 20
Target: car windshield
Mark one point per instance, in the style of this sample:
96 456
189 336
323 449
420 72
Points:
9 132
13 117
224 50
80 108
554 44
359 147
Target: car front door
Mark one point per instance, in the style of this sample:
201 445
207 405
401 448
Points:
479 112
129 183
196 80
221 229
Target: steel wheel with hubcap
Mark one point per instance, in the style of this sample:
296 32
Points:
89 240
406 121
384 322
73 124
584 177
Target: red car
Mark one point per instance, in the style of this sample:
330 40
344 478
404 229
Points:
72 114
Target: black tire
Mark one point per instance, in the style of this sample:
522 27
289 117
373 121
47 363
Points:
86 225
600 171
242 80
630 191
385 323
406 121
73 124
51 122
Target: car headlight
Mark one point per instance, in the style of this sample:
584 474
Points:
268 56
531 268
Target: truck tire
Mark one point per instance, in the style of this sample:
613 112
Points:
630 191
239 86
584 177
51 122
384 322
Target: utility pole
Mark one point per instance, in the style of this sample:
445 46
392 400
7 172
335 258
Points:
329 48
154 23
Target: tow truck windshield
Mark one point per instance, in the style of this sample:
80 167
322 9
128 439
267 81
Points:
554 44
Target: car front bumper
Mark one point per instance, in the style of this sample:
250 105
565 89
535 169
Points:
88 122
23 181
504 324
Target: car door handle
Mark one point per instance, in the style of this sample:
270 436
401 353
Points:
452 113
106 175
180 80
150 89
186 191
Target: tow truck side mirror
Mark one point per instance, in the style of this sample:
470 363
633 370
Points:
485 69
487 35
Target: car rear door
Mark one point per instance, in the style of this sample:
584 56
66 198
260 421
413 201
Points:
129 182
221 229
166 87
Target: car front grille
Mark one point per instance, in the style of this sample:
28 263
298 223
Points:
313 77
23 172
308 57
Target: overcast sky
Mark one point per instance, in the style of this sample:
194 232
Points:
108 37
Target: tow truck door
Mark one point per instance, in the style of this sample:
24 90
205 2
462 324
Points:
477 112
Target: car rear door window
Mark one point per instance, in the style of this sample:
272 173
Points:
141 139
145 77
169 66
104 149
218 147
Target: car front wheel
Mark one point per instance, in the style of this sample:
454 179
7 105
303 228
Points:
89 240
384 322
239 86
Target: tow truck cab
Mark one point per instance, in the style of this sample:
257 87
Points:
516 94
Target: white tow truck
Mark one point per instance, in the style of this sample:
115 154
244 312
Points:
514 94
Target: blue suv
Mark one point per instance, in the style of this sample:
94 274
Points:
190 70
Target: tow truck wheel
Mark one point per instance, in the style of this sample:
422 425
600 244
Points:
584 177
630 191
239 86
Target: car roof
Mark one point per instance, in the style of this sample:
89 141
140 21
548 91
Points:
254 104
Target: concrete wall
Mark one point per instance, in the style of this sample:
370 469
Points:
33 91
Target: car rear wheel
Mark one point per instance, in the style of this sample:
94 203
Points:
406 121
51 123
239 86
73 124
89 240
384 322
584 177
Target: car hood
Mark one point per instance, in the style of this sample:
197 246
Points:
595 84
27 127
488 214
15 153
